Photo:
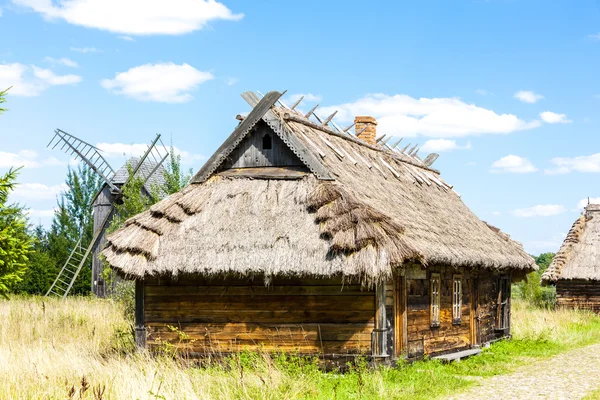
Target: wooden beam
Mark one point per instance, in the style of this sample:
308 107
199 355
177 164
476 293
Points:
297 103
329 118
312 110
140 328
380 331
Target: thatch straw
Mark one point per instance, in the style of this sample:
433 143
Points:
579 255
362 225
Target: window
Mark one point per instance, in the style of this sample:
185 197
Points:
435 300
266 142
456 299
503 303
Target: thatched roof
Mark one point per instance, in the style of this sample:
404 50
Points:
579 255
355 210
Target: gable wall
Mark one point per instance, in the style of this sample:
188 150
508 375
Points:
250 152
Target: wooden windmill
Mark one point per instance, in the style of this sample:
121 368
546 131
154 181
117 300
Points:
148 167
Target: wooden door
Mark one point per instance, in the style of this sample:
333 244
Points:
400 321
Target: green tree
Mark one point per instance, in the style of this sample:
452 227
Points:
15 243
175 178
543 261
74 220
41 268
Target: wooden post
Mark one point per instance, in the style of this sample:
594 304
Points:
380 332
140 329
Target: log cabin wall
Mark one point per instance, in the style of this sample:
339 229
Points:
422 338
487 308
578 294
308 316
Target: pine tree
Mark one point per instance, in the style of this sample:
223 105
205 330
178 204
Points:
15 243
41 267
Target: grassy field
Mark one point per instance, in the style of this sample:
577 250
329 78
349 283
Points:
82 349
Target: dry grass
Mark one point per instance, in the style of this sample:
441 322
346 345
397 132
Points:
82 349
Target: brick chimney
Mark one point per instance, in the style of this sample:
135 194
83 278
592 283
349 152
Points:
368 135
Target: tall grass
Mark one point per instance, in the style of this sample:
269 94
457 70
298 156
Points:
82 349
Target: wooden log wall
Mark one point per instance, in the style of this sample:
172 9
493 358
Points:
578 294
487 308
228 315
423 339
102 207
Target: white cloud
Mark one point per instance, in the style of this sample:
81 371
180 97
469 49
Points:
564 165
513 164
166 82
308 97
231 81
134 17
542 210
482 92
86 50
496 213
37 191
31 80
588 200
126 38
554 118
440 145
118 150
527 96
27 159
0 12
595 36
67 62
402 115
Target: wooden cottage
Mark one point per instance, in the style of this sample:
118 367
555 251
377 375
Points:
575 270
299 237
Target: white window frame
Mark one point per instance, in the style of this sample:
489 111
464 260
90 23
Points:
435 297
457 299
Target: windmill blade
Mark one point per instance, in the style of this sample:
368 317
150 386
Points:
85 152
150 162
70 271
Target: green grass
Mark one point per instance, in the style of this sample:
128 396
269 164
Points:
82 349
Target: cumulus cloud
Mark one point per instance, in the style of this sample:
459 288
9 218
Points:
134 17
595 36
403 115
441 145
166 82
554 118
308 97
542 210
67 62
118 150
588 200
513 164
86 50
27 159
564 165
527 96
29 80
37 191
126 38
231 81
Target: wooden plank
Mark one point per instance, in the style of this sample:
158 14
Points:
276 173
140 330
251 290
236 136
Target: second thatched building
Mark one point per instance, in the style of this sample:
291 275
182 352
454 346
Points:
299 237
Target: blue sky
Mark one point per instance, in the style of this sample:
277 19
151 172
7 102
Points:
506 91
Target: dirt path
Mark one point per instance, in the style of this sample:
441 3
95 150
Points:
569 375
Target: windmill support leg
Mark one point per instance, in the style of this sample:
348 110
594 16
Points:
140 329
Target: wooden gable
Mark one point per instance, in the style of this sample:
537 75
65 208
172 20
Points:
262 148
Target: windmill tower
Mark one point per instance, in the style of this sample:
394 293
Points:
148 167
